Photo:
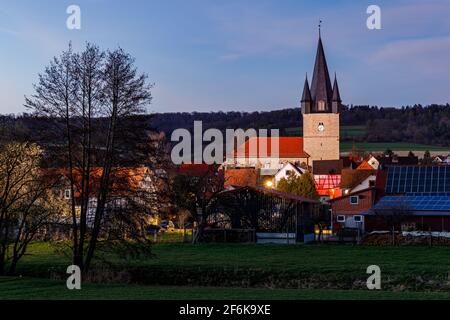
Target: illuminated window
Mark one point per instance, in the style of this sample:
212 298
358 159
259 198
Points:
321 105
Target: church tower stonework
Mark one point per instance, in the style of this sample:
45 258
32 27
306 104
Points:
321 104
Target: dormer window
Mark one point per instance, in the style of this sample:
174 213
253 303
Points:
321 105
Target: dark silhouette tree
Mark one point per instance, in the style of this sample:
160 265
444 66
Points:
92 99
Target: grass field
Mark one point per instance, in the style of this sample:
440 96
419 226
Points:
269 257
243 271
394 146
346 131
32 288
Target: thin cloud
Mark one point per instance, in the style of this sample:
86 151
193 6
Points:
429 56
9 31
413 18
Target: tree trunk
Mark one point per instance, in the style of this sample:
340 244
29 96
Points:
393 235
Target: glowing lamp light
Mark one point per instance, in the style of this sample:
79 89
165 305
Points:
269 184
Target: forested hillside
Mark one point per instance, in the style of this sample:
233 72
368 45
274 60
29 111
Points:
412 124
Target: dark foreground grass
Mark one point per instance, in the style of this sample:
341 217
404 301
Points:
30 288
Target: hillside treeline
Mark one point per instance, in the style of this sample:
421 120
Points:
414 124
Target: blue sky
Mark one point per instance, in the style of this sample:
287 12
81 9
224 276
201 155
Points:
245 55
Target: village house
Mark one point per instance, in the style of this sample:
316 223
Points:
415 197
441 159
356 180
347 211
420 193
327 176
260 153
135 186
288 170
371 163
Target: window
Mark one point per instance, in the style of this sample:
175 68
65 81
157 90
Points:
371 183
321 105
354 199
340 218
67 194
288 172
358 218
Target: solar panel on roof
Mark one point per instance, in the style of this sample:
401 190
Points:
415 203
418 179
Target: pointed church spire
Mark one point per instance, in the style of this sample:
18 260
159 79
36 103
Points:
306 97
336 100
307 101
336 94
321 89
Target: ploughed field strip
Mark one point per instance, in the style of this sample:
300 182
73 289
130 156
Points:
255 266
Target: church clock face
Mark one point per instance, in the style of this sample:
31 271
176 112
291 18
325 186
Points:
321 127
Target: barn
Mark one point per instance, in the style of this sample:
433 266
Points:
271 216
415 198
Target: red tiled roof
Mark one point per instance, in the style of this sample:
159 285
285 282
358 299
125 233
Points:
365 166
324 167
196 170
289 147
351 178
121 180
352 194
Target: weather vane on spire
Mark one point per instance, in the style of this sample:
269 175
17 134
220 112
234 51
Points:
320 26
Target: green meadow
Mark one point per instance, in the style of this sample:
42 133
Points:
239 271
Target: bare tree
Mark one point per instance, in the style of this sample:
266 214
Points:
197 193
393 216
26 201
93 97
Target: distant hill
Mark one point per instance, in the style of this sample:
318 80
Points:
428 125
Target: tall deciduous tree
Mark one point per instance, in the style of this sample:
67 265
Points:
393 216
92 98
197 194
427 159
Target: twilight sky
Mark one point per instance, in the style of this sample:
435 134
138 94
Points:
245 55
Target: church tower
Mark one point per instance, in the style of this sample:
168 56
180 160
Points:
321 104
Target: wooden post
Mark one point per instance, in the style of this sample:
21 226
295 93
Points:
431 237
